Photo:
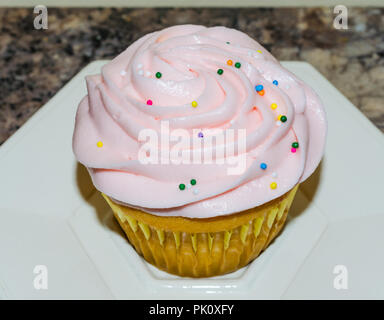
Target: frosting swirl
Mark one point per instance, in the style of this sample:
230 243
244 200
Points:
172 75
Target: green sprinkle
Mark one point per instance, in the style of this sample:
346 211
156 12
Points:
237 64
295 145
158 75
181 186
283 118
193 182
220 71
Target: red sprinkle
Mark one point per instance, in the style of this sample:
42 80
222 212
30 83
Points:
293 150
149 102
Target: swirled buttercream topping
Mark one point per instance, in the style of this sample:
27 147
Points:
198 79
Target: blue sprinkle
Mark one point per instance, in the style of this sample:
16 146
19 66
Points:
259 87
275 82
263 166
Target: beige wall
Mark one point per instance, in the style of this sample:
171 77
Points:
190 3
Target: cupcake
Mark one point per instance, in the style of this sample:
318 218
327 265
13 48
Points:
198 140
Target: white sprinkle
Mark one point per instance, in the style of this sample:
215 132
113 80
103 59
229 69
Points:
196 191
189 186
287 86
140 72
278 123
148 73
139 66
250 53
274 174
123 72
197 39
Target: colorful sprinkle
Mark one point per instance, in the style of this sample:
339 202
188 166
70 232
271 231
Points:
261 92
263 166
200 135
259 87
193 182
194 104
237 65
149 102
99 144
220 71
182 186
293 150
259 51
158 75
273 106
283 118
275 82
295 145
229 62
273 185
254 108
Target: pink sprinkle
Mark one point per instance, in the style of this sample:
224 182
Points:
149 102
293 150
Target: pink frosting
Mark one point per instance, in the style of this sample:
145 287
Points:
188 57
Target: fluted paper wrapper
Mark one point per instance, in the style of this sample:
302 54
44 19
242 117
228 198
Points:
203 247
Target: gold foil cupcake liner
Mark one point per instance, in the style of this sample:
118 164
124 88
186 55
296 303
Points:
203 247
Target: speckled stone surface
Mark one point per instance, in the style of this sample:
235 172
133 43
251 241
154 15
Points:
35 64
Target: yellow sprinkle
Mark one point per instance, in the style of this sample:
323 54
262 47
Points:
259 51
278 118
99 144
273 106
194 104
273 185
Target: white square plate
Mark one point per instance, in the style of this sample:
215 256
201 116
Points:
51 215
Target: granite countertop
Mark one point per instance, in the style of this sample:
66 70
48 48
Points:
35 64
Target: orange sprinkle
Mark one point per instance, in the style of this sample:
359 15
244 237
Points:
229 62
255 108
261 92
